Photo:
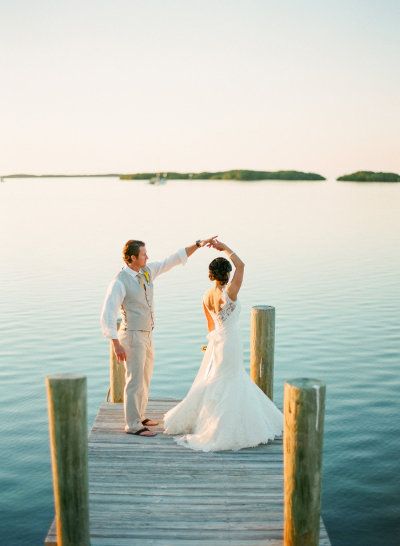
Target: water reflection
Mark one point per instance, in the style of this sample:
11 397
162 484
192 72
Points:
324 254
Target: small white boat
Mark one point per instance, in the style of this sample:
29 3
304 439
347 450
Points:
158 180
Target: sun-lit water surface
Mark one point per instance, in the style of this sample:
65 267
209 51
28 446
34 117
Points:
324 254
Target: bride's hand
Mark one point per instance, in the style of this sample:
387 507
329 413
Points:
218 245
208 242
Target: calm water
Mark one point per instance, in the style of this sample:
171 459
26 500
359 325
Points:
326 255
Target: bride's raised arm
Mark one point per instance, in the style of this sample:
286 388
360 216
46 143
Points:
237 279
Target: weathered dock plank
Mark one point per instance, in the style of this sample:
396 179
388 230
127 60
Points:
151 491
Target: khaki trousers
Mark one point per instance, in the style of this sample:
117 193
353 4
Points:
138 346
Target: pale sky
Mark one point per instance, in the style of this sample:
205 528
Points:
155 85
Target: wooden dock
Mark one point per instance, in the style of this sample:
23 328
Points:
151 491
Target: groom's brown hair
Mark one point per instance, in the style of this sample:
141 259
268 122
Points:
131 248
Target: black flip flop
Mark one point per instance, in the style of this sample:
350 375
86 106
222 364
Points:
147 420
139 432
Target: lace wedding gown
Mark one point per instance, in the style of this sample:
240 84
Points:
224 409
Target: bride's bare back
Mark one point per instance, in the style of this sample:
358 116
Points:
213 299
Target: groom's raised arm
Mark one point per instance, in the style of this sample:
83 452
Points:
180 257
158 268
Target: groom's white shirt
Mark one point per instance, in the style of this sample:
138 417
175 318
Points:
116 291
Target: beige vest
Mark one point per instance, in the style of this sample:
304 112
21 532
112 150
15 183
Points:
137 306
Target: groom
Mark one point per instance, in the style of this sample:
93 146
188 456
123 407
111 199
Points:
131 291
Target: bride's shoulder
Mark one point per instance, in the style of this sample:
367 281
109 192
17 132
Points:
212 299
207 296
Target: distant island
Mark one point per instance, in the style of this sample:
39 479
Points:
239 174
370 176
228 175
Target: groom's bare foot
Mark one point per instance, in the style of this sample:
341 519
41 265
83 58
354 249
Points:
143 432
149 423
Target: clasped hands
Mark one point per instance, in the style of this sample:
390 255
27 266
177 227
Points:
213 242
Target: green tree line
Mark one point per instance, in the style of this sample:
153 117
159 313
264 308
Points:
370 176
238 174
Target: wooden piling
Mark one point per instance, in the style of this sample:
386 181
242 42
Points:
304 410
117 376
66 395
262 345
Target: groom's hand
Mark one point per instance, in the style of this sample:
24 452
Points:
199 244
119 351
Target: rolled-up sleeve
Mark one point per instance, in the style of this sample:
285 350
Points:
178 258
109 314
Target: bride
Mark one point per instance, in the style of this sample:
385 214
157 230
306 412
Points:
224 409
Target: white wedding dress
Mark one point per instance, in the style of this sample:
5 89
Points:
224 409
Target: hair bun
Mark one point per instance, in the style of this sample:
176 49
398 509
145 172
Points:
219 270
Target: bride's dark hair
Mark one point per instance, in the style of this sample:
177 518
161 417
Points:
219 270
